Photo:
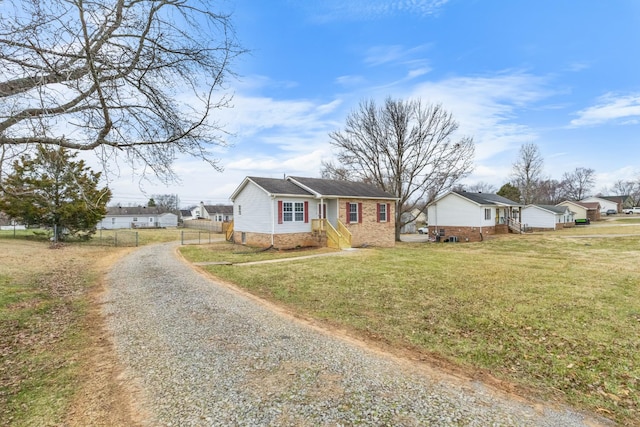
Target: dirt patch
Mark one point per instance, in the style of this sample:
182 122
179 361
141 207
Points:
104 396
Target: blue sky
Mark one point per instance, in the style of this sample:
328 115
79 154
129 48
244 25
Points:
561 74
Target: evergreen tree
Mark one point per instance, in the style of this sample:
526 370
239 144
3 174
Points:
52 189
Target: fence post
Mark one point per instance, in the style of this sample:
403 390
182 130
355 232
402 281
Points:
115 239
136 239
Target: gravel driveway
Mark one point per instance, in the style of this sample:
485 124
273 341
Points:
205 355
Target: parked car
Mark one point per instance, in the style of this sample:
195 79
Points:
633 210
611 212
423 230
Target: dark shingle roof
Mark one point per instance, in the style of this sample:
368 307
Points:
301 186
219 209
553 208
279 186
337 188
487 198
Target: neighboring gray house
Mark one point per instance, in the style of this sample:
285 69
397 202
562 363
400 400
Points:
137 217
546 217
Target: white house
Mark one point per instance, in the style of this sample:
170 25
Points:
605 204
217 213
137 217
468 216
298 211
546 217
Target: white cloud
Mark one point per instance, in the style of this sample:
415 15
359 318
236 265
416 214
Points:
624 109
364 10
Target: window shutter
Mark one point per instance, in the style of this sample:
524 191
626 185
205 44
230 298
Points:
348 213
306 211
279 211
359 213
388 212
377 212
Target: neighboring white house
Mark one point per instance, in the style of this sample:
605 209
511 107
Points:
546 217
299 211
137 217
605 204
468 216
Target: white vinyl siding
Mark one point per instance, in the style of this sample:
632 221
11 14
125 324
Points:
454 210
254 210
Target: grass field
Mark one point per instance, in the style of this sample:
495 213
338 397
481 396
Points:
556 314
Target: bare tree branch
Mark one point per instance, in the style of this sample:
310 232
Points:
135 80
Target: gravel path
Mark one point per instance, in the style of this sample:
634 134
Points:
205 355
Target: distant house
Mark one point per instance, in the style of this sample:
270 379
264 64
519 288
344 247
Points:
546 217
7 223
583 210
217 213
605 204
468 216
137 217
298 212
419 220
186 215
622 202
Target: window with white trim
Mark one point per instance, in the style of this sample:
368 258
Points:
293 211
487 214
353 212
383 212
299 211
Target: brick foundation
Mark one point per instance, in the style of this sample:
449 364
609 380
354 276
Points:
280 241
469 234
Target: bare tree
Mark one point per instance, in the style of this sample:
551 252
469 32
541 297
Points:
579 183
329 170
405 148
550 192
481 187
628 188
167 202
132 80
527 172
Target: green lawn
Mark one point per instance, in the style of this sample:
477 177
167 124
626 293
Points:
554 313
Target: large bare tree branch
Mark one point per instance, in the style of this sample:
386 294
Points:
135 80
